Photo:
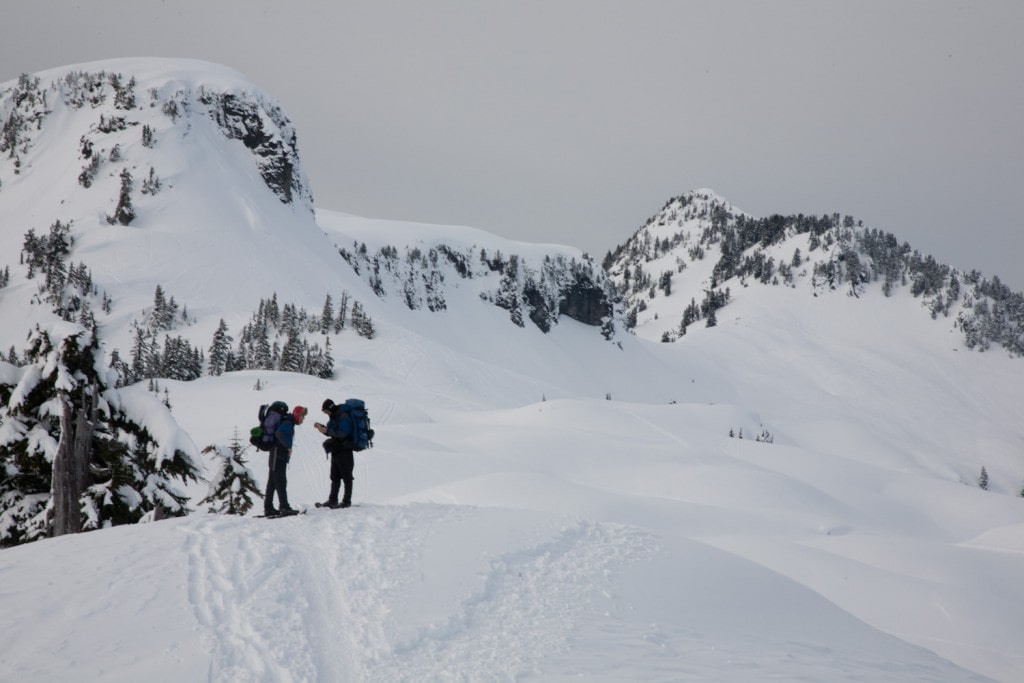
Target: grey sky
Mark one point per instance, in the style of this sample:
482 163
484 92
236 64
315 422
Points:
572 121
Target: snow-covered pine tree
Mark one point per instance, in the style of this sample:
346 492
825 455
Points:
263 356
74 454
339 321
124 213
361 321
292 354
233 488
327 316
152 184
220 349
326 368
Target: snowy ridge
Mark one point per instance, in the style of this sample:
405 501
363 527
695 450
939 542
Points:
535 283
792 494
702 251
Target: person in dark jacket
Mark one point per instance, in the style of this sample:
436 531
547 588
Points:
339 429
280 454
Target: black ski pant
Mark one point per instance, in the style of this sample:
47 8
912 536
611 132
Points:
277 480
342 464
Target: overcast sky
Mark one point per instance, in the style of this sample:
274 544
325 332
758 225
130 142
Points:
572 121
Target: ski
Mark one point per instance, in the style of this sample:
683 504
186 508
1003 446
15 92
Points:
336 507
282 514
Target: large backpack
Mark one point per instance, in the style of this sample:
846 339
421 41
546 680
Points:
262 436
362 434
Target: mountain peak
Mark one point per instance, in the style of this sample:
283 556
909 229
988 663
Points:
703 193
699 248
122 107
152 71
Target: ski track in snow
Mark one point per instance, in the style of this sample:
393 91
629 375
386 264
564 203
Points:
323 601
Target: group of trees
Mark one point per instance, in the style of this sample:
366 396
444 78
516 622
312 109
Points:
538 293
28 107
714 299
68 290
74 455
175 358
276 337
418 276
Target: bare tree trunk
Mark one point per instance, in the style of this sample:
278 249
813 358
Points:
71 464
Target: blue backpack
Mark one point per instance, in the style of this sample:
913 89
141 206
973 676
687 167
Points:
362 434
262 436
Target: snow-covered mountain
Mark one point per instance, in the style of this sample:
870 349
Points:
792 493
702 250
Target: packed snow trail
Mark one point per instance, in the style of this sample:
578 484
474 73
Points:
368 593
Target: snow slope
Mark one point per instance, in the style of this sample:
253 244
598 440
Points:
619 540
542 507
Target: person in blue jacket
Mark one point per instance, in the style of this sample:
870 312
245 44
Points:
339 430
280 454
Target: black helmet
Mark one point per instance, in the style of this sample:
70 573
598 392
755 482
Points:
327 406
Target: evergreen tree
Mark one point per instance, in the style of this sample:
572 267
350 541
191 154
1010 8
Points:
124 95
289 319
124 373
180 360
273 312
292 355
71 462
152 184
690 314
983 480
327 316
220 349
161 317
339 322
234 487
263 356
326 367
140 363
361 321
124 213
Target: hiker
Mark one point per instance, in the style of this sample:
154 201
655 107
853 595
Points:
280 453
339 430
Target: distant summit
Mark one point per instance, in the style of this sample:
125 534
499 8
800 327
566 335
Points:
701 251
